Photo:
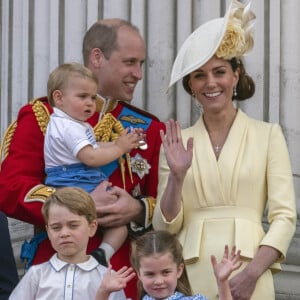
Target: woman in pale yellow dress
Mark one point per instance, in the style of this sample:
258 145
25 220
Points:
215 190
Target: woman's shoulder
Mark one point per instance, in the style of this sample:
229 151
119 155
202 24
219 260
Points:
259 125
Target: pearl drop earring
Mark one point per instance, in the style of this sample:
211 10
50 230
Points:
234 91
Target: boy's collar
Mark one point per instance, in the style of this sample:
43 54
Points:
59 264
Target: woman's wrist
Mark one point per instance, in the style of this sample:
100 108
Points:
177 177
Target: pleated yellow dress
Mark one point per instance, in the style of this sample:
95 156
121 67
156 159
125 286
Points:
223 200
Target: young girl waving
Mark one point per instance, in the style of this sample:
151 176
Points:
158 261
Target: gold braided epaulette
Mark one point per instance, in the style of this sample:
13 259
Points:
6 140
41 113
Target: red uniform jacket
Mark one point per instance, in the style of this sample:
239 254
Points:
23 169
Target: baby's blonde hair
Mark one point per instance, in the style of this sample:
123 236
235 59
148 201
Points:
59 77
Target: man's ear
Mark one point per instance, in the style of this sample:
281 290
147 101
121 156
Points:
96 57
57 97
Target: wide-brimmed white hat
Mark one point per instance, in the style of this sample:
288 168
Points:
227 37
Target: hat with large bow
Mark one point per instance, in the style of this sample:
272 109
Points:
227 37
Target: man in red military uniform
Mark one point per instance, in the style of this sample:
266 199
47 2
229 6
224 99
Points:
115 51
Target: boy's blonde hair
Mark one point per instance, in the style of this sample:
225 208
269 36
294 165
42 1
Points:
59 77
75 199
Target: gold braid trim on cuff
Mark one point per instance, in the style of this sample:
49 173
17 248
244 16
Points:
149 203
39 193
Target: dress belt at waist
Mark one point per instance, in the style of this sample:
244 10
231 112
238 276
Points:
223 212
247 229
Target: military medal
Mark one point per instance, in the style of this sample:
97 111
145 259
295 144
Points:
144 145
139 165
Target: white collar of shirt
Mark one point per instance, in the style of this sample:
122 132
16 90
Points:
58 264
59 113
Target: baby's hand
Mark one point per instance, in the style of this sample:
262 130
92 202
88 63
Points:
130 140
227 265
114 281
142 143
